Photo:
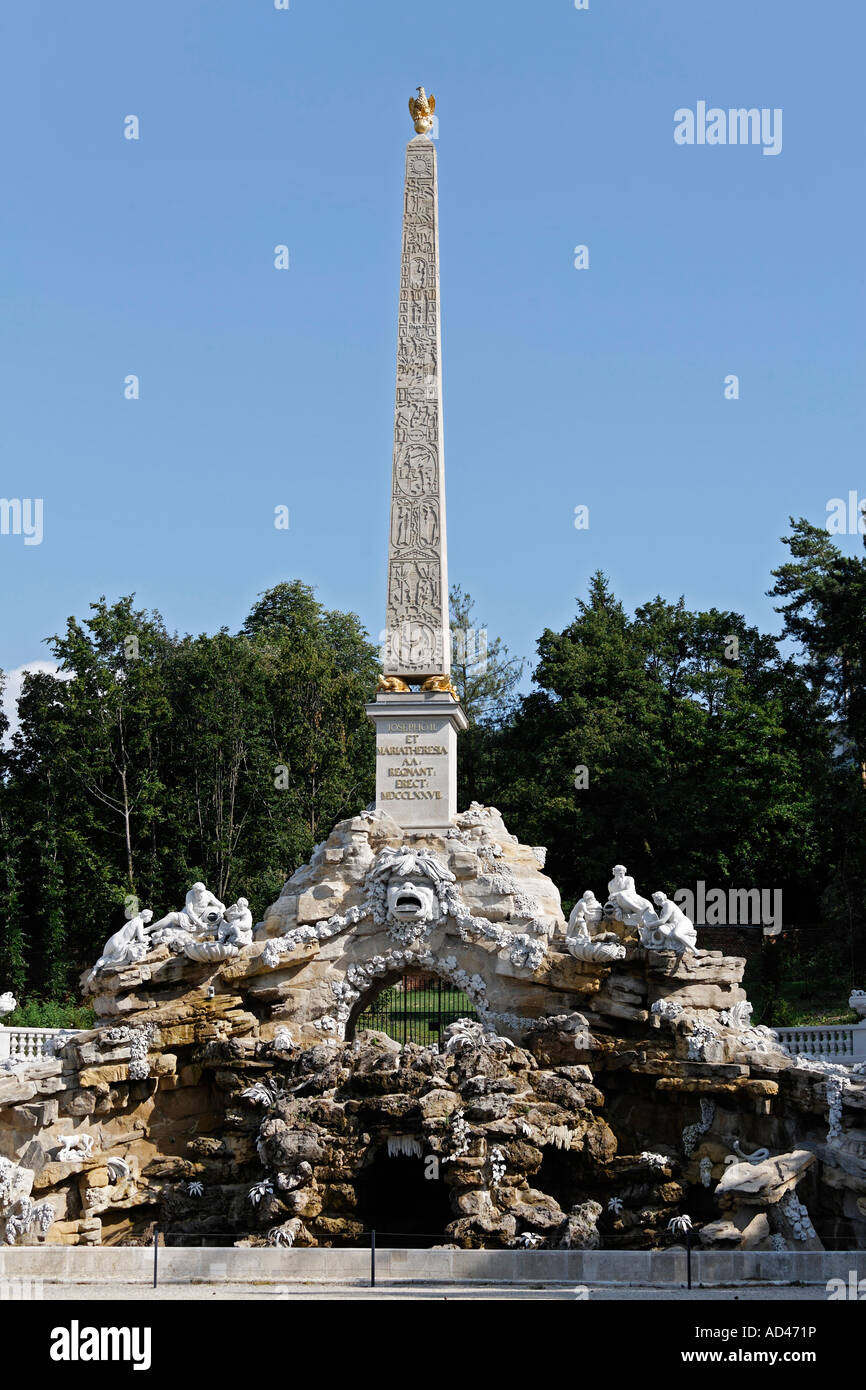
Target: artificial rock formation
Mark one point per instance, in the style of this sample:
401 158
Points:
590 1102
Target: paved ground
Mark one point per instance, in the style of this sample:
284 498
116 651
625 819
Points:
331 1292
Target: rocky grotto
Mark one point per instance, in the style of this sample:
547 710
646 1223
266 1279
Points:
609 1082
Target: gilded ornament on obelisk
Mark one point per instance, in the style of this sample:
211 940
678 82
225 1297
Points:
421 109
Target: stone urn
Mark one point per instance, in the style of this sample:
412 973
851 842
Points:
857 1002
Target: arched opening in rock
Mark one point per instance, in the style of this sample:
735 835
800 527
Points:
415 1006
401 1204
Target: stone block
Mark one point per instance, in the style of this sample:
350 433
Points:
94 1177
39 1115
165 1064
708 994
34 1156
13 1092
439 1104
463 863
54 1173
562 972
763 1184
280 918
321 902
104 1076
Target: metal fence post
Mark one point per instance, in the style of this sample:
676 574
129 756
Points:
155 1253
372 1259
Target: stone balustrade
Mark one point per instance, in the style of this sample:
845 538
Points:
31 1043
834 1042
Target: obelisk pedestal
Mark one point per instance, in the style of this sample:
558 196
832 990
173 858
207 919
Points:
416 731
416 757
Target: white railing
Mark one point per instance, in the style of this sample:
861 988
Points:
835 1042
30 1044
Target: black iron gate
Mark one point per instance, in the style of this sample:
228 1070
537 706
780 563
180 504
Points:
416 1008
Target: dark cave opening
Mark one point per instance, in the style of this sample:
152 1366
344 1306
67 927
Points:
559 1178
400 1204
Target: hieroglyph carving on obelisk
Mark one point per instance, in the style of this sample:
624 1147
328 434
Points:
417 645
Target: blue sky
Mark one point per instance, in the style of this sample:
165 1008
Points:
260 388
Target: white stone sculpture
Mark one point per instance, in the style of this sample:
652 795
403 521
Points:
283 1040
460 1137
410 881
558 1135
127 946
525 952
755 1157
75 1147
834 1089
25 1214
236 928
856 1001
287 1182
666 928
706 1167
9 1176
404 1146
207 951
228 934
8 1003
16 1206
259 1191
205 930
759 1039
680 1225
738 1016
118 1168
624 898
701 1037
463 1033
668 1009
199 915
692 1133
139 1044
195 1188
615 1205
798 1216
265 1093
498 1167
598 949
588 909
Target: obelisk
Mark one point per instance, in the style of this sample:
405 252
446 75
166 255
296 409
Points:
416 730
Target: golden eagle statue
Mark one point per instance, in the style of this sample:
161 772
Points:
421 109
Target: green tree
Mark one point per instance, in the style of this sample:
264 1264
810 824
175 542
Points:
824 609
823 595
13 937
662 742
157 760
